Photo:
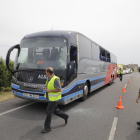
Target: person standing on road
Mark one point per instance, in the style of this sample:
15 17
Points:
137 101
120 72
53 93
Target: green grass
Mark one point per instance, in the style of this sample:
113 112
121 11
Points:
6 95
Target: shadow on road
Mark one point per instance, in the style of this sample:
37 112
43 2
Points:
37 111
33 134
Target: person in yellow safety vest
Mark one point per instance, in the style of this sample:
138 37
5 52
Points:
120 72
137 101
53 93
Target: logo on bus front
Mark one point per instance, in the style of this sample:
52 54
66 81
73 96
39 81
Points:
30 79
42 77
29 85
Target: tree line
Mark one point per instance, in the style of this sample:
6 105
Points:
5 75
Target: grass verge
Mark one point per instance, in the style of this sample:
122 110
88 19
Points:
6 96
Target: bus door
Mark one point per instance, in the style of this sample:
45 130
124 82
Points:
72 73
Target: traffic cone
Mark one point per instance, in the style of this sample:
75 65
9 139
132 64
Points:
119 106
131 77
123 90
129 80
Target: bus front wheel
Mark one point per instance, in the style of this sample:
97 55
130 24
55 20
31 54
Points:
85 92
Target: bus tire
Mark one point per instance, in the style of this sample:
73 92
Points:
110 81
113 79
85 92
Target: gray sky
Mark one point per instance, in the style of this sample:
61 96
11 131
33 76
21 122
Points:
113 24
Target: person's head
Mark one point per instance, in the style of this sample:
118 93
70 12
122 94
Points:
49 71
120 68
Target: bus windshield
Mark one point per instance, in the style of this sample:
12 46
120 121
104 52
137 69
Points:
43 52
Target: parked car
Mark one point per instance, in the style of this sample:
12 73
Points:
124 72
128 70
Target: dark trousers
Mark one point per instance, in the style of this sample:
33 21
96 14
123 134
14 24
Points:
53 108
120 77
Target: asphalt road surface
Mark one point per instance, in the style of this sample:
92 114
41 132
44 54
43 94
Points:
94 119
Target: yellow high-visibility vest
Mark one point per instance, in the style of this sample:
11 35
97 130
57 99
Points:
53 96
120 72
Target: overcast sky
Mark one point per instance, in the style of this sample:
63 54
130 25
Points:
113 24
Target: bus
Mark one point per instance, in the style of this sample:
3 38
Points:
82 65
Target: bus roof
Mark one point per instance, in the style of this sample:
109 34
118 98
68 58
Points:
52 33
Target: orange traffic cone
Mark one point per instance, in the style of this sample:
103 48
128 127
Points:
129 80
123 90
119 106
131 77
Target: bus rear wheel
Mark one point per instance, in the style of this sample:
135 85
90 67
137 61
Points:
110 81
85 92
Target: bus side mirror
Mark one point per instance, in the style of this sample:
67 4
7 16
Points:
8 55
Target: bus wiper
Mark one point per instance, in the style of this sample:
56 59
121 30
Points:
24 70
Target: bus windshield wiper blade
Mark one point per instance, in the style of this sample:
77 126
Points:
25 70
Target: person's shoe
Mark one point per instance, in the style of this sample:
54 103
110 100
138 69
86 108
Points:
66 119
45 131
138 128
138 123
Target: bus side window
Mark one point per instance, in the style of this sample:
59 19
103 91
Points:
102 55
108 57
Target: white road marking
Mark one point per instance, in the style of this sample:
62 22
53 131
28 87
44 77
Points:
16 109
125 85
113 129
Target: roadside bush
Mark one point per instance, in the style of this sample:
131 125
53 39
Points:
2 72
1 89
5 75
7 89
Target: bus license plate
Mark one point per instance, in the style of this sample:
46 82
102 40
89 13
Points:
28 95
36 96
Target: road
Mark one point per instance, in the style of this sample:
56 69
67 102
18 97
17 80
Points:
92 119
